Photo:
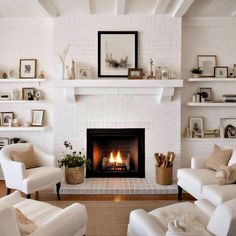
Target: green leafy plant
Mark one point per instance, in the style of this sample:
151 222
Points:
196 70
72 158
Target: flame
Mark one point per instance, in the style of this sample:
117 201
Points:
116 159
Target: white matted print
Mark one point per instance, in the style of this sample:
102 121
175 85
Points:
37 117
117 51
28 68
207 64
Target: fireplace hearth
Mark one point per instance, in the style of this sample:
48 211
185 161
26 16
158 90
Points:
116 153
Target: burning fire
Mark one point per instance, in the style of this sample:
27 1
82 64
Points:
116 159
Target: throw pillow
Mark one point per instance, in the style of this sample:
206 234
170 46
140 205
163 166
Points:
27 157
226 175
219 157
26 226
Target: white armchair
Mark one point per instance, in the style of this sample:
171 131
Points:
50 220
29 180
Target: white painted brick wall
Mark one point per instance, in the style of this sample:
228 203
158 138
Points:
159 38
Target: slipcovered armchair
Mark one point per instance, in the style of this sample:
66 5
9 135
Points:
45 218
33 179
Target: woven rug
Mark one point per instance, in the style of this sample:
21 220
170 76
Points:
108 218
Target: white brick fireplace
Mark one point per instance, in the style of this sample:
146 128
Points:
160 39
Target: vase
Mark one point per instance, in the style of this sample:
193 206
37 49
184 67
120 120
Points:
62 70
196 75
74 175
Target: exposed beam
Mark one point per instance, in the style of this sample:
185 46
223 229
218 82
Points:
88 7
182 7
160 7
48 7
120 7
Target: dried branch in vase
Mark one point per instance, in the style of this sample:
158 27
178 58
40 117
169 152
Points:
165 161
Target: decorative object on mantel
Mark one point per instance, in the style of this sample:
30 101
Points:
67 73
152 70
207 64
15 94
74 163
164 166
196 72
62 58
13 73
84 72
28 93
228 127
117 51
196 127
28 68
134 73
72 70
164 73
214 133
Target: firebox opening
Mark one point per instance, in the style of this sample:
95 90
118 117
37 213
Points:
115 152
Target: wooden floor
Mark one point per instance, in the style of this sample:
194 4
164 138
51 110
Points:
48 195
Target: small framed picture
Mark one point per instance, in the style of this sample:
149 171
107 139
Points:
37 117
7 118
134 73
221 71
196 127
228 127
207 64
28 93
206 94
28 68
84 73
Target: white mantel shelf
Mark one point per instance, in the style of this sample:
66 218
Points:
164 89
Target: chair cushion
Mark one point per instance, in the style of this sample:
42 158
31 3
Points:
223 220
218 157
41 176
27 157
196 178
219 194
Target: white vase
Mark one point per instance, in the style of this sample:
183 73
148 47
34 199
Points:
67 73
196 75
62 70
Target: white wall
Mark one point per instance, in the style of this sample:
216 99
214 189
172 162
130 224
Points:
28 38
160 39
209 36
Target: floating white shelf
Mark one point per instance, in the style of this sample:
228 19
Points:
163 88
208 139
18 80
21 128
212 104
21 101
211 79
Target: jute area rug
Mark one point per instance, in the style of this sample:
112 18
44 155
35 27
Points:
108 218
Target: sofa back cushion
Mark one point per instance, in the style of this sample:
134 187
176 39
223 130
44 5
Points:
223 220
233 156
219 157
27 157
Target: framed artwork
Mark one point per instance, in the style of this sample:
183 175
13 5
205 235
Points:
207 64
134 73
228 127
221 71
206 93
28 68
85 73
28 93
196 126
37 117
7 118
117 51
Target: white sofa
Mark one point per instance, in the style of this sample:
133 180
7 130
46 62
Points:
30 180
50 220
200 182
205 219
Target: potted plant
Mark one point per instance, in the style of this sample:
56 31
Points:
196 71
74 163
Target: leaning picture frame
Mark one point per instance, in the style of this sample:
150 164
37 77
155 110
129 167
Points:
117 51
28 68
134 73
37 117
196 127
228 127
6 118
221 71
207 63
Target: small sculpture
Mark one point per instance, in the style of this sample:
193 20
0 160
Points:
152 70
72 71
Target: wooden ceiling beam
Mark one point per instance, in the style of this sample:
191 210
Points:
48 7
120 7
160 7
182 7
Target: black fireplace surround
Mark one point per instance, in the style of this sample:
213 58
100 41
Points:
129 144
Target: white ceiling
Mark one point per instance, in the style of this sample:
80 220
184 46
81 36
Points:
175 8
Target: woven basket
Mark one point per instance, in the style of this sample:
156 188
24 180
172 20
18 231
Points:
74 175
164 175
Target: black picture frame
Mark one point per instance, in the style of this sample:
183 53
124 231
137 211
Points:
208 95
28 68
117 68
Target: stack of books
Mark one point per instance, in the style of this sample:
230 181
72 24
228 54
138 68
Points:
229 98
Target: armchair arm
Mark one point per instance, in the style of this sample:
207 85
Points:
141 223
67 222
45 159
199 162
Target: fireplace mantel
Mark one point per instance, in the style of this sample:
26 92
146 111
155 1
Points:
164 89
